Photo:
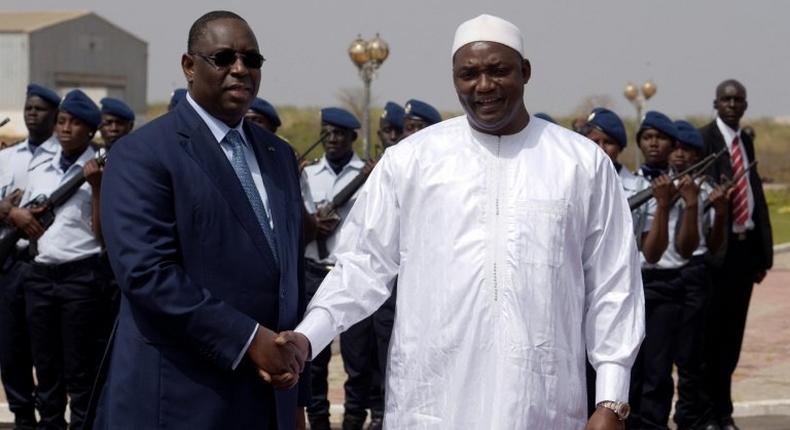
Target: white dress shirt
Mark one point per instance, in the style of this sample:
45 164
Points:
324 184
729 135
514 257
642 217
17 161
70 237
219 130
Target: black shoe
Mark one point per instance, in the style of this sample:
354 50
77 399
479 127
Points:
728 424
376 423
25 421
319 422
353 422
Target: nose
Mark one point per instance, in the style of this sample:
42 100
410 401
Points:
485 83
238 67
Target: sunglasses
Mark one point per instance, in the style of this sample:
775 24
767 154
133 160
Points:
227 57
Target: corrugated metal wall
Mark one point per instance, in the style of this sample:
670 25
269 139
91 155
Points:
91 52
14 70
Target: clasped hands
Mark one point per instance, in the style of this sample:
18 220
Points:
280 358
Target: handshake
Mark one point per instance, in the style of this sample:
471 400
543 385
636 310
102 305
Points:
280 358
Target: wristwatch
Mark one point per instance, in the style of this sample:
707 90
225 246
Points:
621 409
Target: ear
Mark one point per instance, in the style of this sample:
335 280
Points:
188 67
716 104
353 136
526 70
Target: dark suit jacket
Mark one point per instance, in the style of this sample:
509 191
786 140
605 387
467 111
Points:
197 273
762 244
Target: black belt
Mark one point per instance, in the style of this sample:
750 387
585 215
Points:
315 266
64 269
660 274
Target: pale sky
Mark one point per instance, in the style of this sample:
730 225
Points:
577 48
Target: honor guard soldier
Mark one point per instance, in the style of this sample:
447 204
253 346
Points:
16 163
749 250
418 115
652 386
263 114
63 292
330 175
179 95
693 404
117 120
390 125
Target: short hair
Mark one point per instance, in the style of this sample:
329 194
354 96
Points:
199 26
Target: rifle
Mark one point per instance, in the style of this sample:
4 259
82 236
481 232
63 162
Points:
9 236
302 157
644 196
729 183
340 199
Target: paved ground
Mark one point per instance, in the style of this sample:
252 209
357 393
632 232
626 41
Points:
761 387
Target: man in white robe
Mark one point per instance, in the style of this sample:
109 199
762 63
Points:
513 247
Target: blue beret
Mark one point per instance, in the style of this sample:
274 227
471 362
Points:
423 111
117 108
82 107
660 122
393 114
266 109
178 95
339 117
546 117
689 136
45 93
608 123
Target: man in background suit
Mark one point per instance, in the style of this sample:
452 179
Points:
749 248
202 220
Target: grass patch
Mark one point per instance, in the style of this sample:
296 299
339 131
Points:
779 208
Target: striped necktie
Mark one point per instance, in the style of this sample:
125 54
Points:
740 197
239 163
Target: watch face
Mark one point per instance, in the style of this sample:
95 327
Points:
623 410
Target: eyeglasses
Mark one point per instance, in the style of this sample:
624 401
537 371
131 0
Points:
227 57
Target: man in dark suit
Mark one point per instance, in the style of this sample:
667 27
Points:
202 220
749 248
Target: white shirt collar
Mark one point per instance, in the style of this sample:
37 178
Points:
50 145
83 158
218 128
727 132
355 163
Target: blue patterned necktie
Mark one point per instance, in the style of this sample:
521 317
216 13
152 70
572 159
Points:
239 163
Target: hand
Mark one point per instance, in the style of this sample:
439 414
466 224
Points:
298 340
604 419
720 200
663 190
689 190
14 198
25 220
278 365
758 278
93 173
326 222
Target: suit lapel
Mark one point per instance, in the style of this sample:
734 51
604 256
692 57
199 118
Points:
266 157
200 144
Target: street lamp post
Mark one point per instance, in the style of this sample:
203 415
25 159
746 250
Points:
631 92
368 57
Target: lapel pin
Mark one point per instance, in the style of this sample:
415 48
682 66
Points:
270 148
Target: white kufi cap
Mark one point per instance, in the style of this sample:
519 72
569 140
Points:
488 28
